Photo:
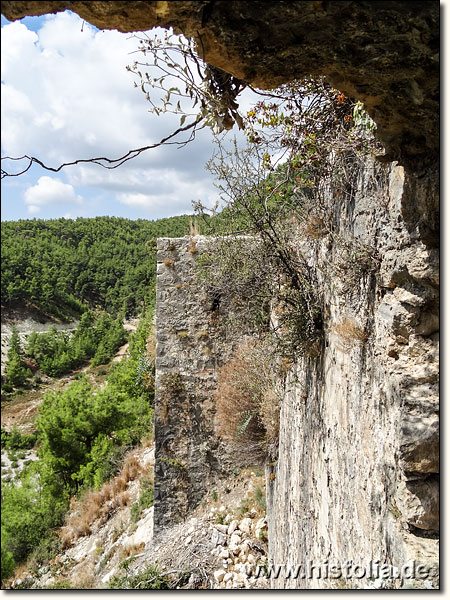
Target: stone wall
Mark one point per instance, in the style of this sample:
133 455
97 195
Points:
191 344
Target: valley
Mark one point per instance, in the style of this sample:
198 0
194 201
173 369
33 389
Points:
220 401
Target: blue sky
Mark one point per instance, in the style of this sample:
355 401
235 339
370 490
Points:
66 94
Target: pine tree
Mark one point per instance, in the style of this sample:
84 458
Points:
16 370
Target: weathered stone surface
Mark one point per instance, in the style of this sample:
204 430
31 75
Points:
227 577
190 346
418 501
217 538
385 54
356 422
232 526
245 525
219 575
419 442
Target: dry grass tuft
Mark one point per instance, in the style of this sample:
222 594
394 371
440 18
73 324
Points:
97 506
350 334
192 248
131 468
67 537
151 343
123 499
169 263
120 484
83 527
247 404
132 549
94 500
103 518
149 440
84 576
20 572
193 228
106 491
315 227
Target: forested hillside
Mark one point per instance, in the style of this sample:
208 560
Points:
80 439
62 267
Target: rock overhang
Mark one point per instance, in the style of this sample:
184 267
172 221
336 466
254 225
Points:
386 54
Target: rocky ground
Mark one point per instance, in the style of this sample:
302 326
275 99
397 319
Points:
223 545
220 546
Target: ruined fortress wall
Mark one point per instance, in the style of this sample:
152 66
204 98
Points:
357 473
191 345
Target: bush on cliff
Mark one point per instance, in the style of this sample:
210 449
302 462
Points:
247 404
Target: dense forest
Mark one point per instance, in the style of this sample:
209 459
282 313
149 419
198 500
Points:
63 267
56 352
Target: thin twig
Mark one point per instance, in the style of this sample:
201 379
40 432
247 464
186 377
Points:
112 163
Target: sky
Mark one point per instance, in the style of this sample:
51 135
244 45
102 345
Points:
66 94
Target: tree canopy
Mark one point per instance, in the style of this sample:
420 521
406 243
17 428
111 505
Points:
63 267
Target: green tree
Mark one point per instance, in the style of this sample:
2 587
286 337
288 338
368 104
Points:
68 425
15 348
8 563
66 267
16 370
101 464
30 511
58 352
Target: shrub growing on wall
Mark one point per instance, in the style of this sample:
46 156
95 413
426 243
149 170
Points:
306 143
247 404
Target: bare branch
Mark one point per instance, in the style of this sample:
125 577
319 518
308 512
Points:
103 161
211 90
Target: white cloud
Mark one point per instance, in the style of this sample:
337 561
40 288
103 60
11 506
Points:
139 200
66 94
78 90
166 196
50 191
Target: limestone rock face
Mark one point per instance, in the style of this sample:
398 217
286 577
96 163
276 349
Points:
419 438
418 501
358 461
385 54
357 474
